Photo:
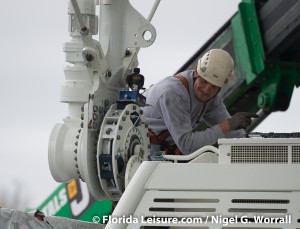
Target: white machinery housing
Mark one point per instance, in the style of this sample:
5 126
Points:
97 139
249 190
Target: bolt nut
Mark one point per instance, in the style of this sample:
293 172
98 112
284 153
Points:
95 125
108 131
127 52
108 74
95 117
101 109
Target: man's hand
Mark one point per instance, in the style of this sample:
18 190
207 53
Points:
241 120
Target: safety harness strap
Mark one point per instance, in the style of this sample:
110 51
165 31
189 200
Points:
184 82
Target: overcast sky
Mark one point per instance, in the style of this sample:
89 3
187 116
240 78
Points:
32 62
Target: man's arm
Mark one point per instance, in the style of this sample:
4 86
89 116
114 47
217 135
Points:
231 126
174 108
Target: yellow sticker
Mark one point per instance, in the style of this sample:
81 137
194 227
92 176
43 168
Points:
72 189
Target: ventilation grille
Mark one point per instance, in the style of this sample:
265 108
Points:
260 201
258 154
295 154
211 207
184 201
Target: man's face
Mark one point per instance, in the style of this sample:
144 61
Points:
204 90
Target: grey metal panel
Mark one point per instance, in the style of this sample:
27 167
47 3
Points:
195 177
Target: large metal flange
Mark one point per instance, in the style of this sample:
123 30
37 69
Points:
122 135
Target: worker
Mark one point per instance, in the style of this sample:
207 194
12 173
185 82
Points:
176 104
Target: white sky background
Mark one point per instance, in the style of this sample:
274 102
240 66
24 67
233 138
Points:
32 62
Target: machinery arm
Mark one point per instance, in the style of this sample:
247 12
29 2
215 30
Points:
104 128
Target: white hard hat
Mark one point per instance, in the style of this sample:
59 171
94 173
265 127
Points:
216 67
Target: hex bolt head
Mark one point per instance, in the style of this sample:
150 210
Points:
95 117
95 125
101 109
95 108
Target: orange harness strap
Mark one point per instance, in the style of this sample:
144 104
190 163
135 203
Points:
158 139
184 82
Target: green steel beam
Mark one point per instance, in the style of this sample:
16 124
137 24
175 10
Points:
248 43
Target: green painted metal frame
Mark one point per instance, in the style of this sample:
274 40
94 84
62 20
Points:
277 85
248 43
277 79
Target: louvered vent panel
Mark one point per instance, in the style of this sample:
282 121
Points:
295 154
256 154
